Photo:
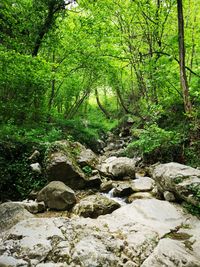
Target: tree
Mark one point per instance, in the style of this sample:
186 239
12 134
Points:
183 76
51 9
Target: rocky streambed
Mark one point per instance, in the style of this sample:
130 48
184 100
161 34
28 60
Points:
100 212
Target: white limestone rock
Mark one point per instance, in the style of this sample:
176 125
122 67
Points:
182 180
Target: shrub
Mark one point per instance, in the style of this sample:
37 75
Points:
17 179
156 144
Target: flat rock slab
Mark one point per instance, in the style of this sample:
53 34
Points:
160 216
143 184
134 235
32 238
172 253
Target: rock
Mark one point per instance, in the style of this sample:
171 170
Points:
83 155
95 205
160 216
117 153
87 157
94 181
8 261
110 146
139 195
126 188
95 172
169 196
130 120
32 206
143 184
172 253
122 189
106 186
84 193
61 165
183 181
118 168
56 195
35 167
31 240
155 192
11 213
99 146
134 235
52 265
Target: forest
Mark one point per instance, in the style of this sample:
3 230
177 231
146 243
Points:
77 70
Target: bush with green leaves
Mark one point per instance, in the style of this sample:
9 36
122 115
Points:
17 178
156 144
24 81
194 210
30 133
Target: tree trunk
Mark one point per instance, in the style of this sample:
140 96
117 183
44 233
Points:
44 29
121 101
53 83
183 77
100 105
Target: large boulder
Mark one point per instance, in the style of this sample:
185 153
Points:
61 165
119 168
139 234
56 195
183 181
95 205
84 156
11 213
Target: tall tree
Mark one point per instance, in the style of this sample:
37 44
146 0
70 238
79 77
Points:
183 76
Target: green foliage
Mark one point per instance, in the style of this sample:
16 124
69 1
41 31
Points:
155 141
17 179
194 210
54 60
28 134
195 189
192 154
23 84
87 170
86 129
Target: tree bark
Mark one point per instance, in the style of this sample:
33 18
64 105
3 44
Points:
183 76
53 84
43 30
53 8
100 105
